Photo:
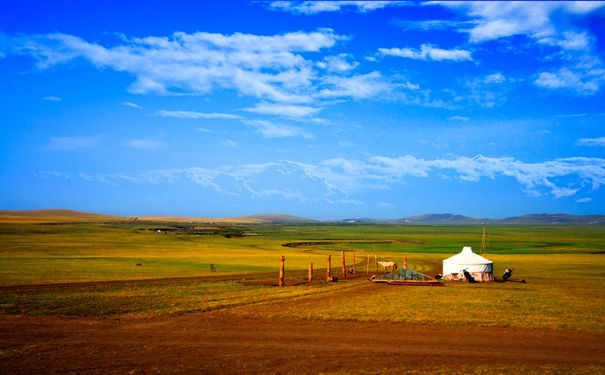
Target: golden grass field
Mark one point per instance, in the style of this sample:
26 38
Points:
88 268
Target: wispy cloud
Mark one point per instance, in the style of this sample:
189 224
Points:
591 141
581 71
314 7
197 115
501 19
582 82
131 105
362 86
52 98
287 110
339 63
339 179
72 143
459 118
584 200
144 144
269 129
230 143
573 115
428 52
267 67
433 24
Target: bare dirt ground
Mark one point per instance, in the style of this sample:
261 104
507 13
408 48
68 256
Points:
217 342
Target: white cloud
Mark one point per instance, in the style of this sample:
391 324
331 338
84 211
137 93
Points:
267 67
131 105
72 143
574 115
361 86
230 143
500 19
52 98
592 141
144 144
495 78
338 63
584 200
428 52
583 83
270 129
336 180
287 110
432 24
546 23
459 118
314 7
486 91
197 115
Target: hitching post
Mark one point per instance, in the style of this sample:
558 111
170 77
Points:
282 271
376 263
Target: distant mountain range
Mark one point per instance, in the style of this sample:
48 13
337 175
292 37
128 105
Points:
60 215
531 219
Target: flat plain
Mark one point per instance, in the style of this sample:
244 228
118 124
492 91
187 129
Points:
104 295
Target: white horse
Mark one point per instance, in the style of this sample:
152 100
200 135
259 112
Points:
391 265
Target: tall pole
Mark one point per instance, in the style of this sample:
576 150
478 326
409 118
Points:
354 274
282 271
310 271
483 241
344 264
329 269
368 266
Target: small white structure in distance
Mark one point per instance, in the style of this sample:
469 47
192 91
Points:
480 268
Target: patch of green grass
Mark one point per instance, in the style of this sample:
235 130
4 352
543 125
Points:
565 289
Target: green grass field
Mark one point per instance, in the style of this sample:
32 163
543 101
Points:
564 267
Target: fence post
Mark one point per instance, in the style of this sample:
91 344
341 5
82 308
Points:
329 268
376 263
368 266
282 271
344 265
310 271
354 273
405 263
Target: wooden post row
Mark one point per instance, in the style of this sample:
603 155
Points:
282 271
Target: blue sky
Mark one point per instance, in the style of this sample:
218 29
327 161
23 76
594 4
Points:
320 109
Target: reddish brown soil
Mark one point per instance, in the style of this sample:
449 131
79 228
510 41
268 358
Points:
217 342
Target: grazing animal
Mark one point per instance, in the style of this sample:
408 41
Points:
391 265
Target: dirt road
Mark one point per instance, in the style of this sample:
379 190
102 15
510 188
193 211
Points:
217 342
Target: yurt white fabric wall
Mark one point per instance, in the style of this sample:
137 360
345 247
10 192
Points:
480 268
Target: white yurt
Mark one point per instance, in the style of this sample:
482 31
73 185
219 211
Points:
480 268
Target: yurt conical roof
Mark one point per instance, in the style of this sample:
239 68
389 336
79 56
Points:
467 260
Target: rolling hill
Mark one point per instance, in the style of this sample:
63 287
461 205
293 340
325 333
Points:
53 216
